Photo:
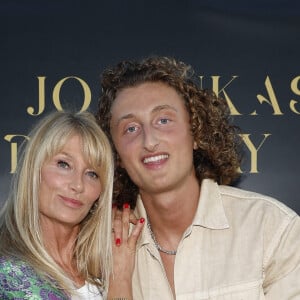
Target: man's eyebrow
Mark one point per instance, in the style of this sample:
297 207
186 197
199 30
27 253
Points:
162 107
154 110
125 117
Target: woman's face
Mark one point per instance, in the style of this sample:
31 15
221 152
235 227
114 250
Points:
69 186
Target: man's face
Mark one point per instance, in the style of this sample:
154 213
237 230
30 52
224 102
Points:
151 131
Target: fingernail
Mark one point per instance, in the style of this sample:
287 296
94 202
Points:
126 205
118 242
142 220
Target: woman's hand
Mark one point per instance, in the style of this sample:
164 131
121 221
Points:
124 248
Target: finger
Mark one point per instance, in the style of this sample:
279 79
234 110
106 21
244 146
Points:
136 232
132 218
118 227
113 212
125 220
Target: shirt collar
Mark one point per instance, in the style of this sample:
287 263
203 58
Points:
210 211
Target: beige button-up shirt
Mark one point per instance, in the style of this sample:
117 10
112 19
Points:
240 246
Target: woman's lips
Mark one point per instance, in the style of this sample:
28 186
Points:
72 202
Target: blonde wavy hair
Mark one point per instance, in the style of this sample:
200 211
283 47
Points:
20 231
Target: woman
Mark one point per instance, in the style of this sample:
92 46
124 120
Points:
55 228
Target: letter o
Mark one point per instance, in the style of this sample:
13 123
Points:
86 91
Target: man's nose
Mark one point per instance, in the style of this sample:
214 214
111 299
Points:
151 140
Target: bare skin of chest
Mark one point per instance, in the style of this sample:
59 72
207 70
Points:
168 262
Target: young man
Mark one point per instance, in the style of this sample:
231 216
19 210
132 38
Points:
176 154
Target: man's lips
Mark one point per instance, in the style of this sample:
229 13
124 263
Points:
155 159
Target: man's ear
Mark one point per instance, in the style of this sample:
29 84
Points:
195 147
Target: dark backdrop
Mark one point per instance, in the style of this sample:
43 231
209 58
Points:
54 52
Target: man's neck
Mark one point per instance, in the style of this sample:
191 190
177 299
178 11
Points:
172 211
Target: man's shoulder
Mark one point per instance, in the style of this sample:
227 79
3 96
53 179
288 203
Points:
249 199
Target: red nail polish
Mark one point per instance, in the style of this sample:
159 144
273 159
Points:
126 205
142 220
118 242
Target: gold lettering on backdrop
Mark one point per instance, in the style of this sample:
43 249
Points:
272 98
13 150
218 91
86 90
253 150
41 107
295 89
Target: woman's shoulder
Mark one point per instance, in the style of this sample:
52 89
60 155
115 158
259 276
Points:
18 280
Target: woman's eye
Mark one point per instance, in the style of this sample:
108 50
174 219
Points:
93 174
63 164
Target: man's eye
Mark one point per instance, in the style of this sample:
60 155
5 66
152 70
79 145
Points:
164 121
131 129
63 164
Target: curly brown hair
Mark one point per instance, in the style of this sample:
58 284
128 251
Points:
218 155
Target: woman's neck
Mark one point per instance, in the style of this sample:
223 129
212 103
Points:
59 241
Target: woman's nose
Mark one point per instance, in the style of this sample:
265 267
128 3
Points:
77 182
